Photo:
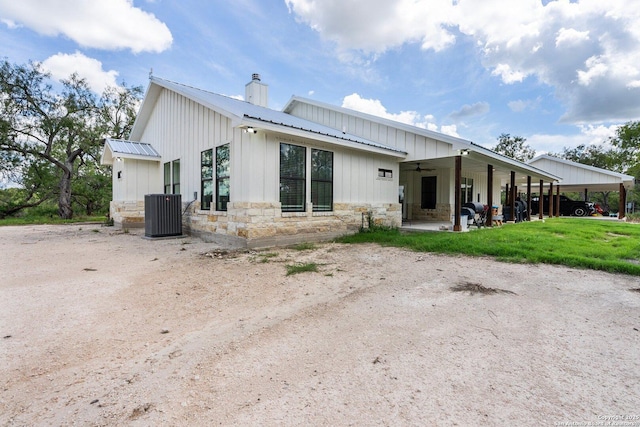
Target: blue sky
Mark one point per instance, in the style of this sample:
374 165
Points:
559 73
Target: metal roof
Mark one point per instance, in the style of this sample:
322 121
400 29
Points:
245 113
120 146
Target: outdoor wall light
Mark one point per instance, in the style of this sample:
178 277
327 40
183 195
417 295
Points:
119 159
250 129
464 152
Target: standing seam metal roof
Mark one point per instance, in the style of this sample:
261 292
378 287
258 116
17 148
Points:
244 109
120 146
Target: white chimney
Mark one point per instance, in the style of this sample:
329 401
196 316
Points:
256 92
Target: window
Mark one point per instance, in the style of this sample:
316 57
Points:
206 179
176 176
385 173
466 190
222 177
322 180
428 200
167 178
292 178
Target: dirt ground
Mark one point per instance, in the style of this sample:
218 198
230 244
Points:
100 327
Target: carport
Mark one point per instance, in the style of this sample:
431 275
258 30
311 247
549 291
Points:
577 177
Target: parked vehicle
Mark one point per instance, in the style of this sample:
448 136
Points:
567 206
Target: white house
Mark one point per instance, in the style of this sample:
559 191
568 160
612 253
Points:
251 176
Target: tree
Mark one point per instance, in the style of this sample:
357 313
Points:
62 130
598 156
627 144
514 147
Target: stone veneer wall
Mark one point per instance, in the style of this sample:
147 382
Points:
255 224
442 212
127 214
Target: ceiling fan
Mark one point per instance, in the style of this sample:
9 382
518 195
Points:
419 169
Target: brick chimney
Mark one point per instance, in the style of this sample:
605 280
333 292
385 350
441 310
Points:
256 92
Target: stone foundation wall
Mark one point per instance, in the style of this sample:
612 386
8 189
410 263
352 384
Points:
442 212
127 214
255 225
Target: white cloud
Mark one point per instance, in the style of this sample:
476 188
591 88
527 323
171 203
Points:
477 109
61 66
450 130
101 24
570 37
587 50
595 68
521 105
375 108
587 135
378 25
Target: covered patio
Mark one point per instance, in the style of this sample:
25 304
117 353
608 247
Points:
435 189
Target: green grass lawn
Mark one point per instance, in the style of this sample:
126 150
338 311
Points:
598 245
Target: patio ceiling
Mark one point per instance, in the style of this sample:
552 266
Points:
476 162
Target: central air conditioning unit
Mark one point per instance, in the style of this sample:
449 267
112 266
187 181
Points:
162 215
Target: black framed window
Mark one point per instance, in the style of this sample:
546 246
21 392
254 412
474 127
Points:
223 172
466 190
428 199
322 180
292 177
167 178
206 179
175 165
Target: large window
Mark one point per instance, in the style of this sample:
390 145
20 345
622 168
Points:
172 177
206 179
222 177
428 199
175 165
292 177
322 180
466 190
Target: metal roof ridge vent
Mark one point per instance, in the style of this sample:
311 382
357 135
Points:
256 92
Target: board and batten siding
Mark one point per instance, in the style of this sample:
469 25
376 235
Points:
135 179
179 128
416 146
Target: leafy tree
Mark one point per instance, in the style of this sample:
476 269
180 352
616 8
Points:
627 144
59 133
514 147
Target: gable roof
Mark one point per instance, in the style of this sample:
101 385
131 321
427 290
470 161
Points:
245 114
114 148
579 176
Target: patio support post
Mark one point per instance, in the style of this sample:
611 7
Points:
550 207
457 192
528 197
512 197
586 195
622 208
557 204
489 222
540 200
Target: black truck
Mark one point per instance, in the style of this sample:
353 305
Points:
567 206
